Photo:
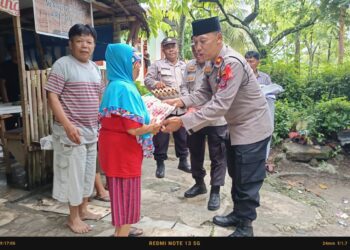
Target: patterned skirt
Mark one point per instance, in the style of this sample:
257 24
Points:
125 194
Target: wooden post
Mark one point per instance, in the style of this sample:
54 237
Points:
116 31
40 51
23 90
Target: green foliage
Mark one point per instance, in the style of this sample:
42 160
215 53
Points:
338 149
141 88
320 103
285 117
317 94
281 73
332 116
322 119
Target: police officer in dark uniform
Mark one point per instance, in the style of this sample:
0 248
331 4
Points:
163 73
216 133
230 89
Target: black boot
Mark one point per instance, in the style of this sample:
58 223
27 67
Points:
184 166
160 169
226 221
196 189
243 229
214 199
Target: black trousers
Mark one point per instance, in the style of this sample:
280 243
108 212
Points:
246 167
217 153
161 144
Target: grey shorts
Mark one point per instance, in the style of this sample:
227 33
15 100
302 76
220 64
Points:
74 171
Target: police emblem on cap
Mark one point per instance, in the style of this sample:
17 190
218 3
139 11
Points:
168 40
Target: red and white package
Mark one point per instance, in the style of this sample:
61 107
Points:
157 109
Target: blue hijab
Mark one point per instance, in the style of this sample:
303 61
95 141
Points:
121 96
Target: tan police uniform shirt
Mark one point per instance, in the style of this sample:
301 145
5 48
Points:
168 73
239 99
193 78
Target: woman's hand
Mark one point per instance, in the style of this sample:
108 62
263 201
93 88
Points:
155 127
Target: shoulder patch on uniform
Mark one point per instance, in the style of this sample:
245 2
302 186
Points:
222 85
227 74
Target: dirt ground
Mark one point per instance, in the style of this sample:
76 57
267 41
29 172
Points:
297 200
325 185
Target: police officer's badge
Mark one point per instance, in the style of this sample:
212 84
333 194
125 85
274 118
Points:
190 79
218 61
191 68
207 70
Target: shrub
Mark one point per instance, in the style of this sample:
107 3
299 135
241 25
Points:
332 116
285 118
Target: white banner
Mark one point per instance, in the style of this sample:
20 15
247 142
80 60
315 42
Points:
56 17
10 6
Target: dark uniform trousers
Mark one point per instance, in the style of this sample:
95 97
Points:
217 135
161 144
246 167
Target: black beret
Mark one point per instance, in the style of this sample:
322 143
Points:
204 26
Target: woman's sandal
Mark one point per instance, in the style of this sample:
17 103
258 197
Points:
104 198
135 232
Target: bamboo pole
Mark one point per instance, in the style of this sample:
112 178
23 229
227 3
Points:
23 91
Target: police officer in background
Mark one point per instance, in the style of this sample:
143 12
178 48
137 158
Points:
253 58
217 134
230 90
163 73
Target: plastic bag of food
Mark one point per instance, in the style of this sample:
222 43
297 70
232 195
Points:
157 109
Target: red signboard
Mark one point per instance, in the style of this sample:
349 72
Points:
55 17
10 6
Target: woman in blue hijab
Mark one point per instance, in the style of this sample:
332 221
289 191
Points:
125 136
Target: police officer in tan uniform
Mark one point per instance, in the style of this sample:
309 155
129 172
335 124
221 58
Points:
230 89
216 132
163 73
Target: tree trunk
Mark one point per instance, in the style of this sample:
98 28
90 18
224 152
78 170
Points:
341 35
329 50
181 35
297 53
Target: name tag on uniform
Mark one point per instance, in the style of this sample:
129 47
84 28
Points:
165 72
